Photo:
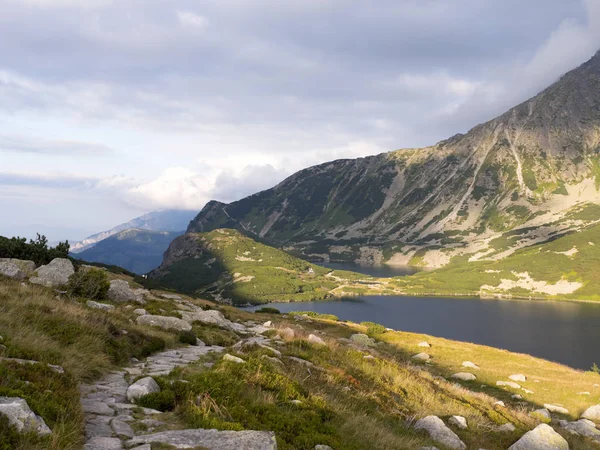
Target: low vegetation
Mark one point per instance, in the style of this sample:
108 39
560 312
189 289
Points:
36 250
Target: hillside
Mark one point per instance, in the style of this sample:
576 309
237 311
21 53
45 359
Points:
171 220
227 266
292 379
532 171
136 250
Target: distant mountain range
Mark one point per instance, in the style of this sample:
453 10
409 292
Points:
524 179
169 220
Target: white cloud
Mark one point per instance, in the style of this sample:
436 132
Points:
188 18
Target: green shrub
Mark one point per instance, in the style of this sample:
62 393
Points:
161 401
91 284
268 310
316 315
187 337
595 368
36 250
214 335
373 328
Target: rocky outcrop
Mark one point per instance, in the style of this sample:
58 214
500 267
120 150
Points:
21 416
542 437
210 439
54 274
141 387
440 433
164 322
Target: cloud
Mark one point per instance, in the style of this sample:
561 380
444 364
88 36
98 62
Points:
188 18
56 180
27 144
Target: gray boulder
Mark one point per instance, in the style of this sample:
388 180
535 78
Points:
422 357
103 306
142 387
234 359
458 421
464 376
21 416
313 339
212 439
26 266
362 340
54 274
557 409
542 415
592 413
16 268
582 427
286 333
212 317
542 437
120 292
164 322
440 433
470 365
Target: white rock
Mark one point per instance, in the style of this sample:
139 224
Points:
439 432
527 391
424 344
54 274
592 413
458 421
212 317
583 393
464 376
11 270
518 377
315 340
142 387
500 403
234 359
557 409
103 306
516 397
164 322
422 357
470 365
268 324
21 416
542 437
508 384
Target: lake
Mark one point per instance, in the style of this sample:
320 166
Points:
380 271
565 332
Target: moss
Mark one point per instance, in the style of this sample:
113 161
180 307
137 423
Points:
161 401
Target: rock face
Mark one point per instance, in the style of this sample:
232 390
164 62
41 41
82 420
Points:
464 376
439 432
120 292
592 413
16 268
211 439
21 416
164 322
54 274
542 437
142 387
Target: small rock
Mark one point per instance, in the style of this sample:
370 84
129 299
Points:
272 359
592 413
315 340
424 344
516 397
439 432
508 384
556 408
322 447
22 417
171 296
500 403
470 365
518 377
422 357
234 359
268 324
527 391
296 402
103 306
464 376
542 437
140 312
458 421
54 274
506 428
368 357
583 393
164 322
142 387
96 407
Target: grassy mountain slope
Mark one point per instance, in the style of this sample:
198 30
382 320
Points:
136 250
346 400
527 169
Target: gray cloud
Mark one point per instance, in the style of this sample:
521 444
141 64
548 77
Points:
27 144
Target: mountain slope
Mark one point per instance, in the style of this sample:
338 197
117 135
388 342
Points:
136 250
534 168
171 220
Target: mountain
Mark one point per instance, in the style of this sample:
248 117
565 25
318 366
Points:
171 220
136 250
529 176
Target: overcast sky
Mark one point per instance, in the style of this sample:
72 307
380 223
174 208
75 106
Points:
113 108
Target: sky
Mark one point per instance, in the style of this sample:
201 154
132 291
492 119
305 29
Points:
113 108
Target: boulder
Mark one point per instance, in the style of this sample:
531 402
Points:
458 421
120 292
21 416
582 427
54 274
286 333
439 432
268 324
422 357
212 317
362 340
103 306
543 415
592 413
164 322
424 344
313 339
234 359
542 437
11 270
556 408
24 265
518 377
464 376
140 312
142 387
470 365
509 384
212 439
